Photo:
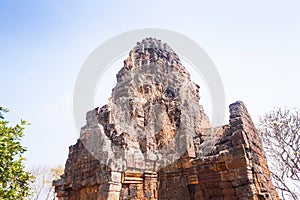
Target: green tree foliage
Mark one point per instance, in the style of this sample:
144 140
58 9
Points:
14 180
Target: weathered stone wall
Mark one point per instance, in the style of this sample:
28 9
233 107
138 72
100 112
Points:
235 168
154 141
79 180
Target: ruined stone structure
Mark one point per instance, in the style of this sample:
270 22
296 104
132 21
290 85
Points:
154 141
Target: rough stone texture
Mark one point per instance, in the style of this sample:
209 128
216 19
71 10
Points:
154 141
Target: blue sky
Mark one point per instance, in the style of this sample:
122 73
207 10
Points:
255 47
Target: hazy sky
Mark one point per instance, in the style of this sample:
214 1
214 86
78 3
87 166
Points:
255 46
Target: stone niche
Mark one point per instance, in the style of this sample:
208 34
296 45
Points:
154 141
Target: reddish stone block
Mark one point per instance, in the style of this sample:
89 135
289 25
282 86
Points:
221 166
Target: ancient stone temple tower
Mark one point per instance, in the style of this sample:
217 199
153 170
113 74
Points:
154 141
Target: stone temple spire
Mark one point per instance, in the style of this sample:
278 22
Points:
153 141
151 52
